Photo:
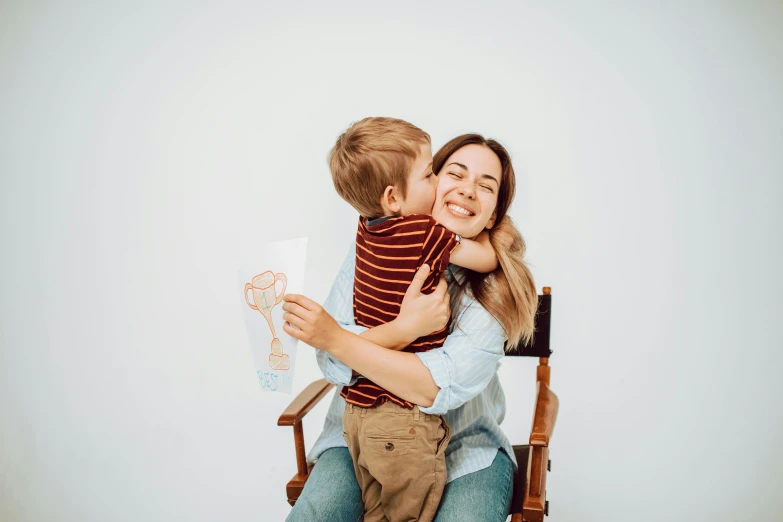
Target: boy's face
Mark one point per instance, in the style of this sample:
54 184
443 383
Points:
422 184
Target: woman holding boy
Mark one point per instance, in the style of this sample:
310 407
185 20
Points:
458 380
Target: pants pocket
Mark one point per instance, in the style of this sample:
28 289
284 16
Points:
393 443
444 440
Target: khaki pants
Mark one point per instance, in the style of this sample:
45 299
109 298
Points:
399 459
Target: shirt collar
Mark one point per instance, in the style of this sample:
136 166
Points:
377 221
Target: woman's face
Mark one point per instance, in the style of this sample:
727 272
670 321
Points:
467 193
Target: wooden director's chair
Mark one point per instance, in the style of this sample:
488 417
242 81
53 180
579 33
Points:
529 503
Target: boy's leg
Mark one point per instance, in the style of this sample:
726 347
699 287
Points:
483 495
405 452
353 421
441 433
331 493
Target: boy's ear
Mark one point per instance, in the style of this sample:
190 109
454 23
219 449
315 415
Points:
491 222
390 201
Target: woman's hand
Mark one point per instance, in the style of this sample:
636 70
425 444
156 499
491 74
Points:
311 323
423 314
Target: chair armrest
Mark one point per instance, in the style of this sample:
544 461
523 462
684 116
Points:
544 416
304 402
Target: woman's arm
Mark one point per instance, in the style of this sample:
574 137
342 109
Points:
439 380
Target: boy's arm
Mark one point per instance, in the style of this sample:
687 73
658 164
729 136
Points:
420 314
388 335
476 254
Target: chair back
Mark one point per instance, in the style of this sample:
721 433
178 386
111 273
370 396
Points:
539 345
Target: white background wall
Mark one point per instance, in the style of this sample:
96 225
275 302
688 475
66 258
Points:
142 146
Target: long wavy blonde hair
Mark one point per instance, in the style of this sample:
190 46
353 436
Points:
508 293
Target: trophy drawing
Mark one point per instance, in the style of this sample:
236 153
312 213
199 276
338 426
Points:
265 297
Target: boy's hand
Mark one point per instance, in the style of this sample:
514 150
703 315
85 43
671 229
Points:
312 323
423 314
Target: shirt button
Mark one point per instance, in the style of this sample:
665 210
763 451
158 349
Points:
389 446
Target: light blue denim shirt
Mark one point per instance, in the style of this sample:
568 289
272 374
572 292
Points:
465 369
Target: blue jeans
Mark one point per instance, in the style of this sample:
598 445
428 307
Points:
331 494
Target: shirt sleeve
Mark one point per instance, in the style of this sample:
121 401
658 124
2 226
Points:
438 246
339 304
467 361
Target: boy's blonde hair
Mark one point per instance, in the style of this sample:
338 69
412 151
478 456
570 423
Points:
371 155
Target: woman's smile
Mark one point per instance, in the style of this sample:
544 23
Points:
459 210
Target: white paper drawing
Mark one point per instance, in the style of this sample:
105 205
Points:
276 269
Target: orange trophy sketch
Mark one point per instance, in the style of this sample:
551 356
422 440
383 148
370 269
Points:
266 272
265 297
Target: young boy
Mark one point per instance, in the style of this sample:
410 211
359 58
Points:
383 168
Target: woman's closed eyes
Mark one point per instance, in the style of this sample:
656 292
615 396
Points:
488 188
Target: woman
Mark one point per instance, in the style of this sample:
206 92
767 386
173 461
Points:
475 189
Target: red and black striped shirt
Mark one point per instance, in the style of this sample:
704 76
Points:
388 254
